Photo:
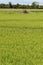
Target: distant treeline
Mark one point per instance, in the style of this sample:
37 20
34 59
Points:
34 5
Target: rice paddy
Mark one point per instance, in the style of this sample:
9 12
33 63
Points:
21 37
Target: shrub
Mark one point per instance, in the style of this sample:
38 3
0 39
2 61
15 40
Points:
25 11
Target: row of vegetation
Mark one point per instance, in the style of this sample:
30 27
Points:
34 5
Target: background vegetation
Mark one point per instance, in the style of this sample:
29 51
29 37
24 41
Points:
34 5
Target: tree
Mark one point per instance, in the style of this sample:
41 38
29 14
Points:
18 5
2 5
35 5
10 5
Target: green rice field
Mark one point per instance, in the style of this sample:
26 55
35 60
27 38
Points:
21 37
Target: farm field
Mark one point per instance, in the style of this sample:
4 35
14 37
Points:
21 37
